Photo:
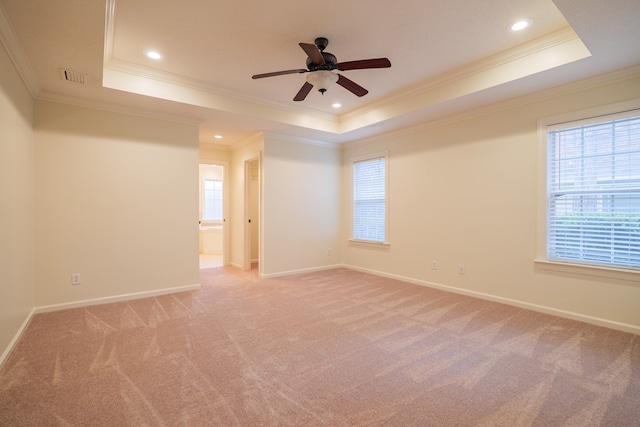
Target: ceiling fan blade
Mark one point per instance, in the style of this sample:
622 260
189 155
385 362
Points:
303 92
351 86
313 53
364 63
279 73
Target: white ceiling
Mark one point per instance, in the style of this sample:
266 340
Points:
447 56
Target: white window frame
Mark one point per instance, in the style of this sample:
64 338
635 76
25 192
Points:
204 204
541 261
363 242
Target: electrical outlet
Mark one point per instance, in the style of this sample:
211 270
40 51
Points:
462 269
328 252
75 279
434 265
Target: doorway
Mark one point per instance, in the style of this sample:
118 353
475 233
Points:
212 215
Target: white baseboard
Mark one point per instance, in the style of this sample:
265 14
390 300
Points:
625 327
89 302
16 337
115 298
125 297
301 271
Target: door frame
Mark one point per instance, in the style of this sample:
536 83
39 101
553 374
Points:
246 264
225 204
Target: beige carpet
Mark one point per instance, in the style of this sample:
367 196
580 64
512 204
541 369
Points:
330 348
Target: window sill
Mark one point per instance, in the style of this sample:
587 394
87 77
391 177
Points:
589 270
369 244
210 222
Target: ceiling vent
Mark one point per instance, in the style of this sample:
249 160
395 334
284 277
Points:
74 76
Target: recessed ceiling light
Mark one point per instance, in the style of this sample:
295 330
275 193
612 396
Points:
521 24
336 105
153 54
217 136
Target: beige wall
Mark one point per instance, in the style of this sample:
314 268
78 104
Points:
117 202
301 206
465 193
17 195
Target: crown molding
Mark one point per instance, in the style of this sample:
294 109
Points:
258 137
115 108
109 30
531 98
16 53
213 146
123 76
467 73
128 68
300 140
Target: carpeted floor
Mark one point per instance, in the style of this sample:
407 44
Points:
334 348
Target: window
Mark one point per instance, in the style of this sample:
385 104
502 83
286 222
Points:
370 199
593 191
212 200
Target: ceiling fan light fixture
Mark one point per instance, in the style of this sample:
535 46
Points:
322 80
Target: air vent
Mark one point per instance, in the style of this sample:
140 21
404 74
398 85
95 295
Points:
74 76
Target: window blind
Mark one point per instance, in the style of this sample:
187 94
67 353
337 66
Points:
369 199
593 208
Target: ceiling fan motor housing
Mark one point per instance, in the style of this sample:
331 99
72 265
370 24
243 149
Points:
330 62
321 43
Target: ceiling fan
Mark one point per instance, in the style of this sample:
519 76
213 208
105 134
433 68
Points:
320 66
